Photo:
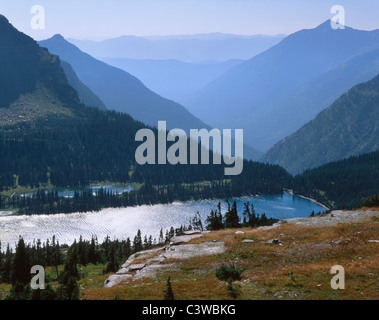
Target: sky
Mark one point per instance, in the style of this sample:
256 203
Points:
100 19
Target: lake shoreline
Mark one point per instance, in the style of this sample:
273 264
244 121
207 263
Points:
14 212
120 223
314 201
307 198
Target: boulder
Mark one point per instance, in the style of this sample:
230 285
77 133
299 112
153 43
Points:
136 267
274 241
115 280
191 232
174 241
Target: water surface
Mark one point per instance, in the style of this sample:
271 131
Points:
121 223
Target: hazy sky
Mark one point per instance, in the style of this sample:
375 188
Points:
111 18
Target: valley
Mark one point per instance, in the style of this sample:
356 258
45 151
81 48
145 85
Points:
234 158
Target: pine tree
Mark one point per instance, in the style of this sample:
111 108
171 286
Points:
69 289
137 243
169 294
55 256
7 266
232 219
20 266
81 252
92 254
112 265
161 238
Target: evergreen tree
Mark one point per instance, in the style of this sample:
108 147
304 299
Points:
232 219
20 266
137 243
112 265
7 266
161 238
69 289
169 294
92 254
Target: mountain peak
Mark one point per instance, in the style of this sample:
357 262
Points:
327 25
25 67
58 37
324 25
3 19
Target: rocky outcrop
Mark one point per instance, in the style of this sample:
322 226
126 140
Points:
148 263
331 219
274 241
336 217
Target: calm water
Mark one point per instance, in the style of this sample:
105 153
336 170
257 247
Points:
121 223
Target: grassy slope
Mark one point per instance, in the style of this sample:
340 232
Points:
306 253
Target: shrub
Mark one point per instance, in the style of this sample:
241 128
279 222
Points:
224 273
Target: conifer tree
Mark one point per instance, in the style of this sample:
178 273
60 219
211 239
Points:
20 265
69 289
169 294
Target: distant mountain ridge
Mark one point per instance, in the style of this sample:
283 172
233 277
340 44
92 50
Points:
189 48
121 91
173 79
49 138
349 127
248 95
214 36
302 104
85 94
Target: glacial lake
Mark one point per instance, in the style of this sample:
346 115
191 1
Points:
69 192
121 223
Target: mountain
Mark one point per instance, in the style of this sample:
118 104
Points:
86 96
302 104
120 90
350 126
49 138
341 184
213 36
247 95
188 48
173 79
25 68
123 92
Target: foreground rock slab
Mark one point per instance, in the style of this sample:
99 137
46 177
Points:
336 217
154 260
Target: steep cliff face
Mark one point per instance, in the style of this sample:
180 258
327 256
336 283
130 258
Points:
25 66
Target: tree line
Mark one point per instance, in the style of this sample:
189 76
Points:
341 184
95 146
231 219
86 200
15 265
